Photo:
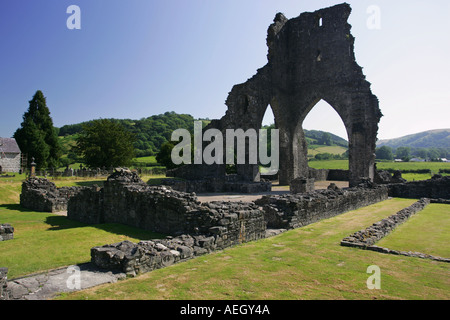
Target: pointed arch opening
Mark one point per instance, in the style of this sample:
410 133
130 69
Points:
326 137
268 123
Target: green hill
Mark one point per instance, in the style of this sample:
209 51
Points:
428 139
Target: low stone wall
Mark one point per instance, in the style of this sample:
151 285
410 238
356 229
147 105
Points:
213 185
6 232
301 185
40 194
436 188
296 210
329 174
145 256
4 295
366 239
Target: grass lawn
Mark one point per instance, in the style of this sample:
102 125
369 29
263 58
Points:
313 150
426 232
305 263
45 241
433 166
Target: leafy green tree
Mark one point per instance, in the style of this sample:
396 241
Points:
105 143
403 153
37 137
164 156
326 139
384 153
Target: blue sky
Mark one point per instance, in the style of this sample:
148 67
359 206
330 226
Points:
136 58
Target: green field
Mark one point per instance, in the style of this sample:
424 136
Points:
315 149
433 166
425 232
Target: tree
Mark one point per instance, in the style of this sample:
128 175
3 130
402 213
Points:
326 139
384 153
105 143
164 156
403 153
37 137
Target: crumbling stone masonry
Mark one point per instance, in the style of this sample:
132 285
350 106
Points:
437 187
145 256
6 232
310 58
4 295
291 211
196 228
126 199
40 194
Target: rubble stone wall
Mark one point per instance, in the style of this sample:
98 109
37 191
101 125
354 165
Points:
6 232
436 188
126 199
4 295
296 210
40 194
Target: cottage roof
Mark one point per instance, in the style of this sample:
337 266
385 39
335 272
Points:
9 145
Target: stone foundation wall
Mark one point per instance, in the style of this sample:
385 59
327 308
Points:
145 256
40 194
4 284
436 188
296 210
227 183
329 174
6 232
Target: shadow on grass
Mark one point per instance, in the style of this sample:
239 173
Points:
14 207
62 222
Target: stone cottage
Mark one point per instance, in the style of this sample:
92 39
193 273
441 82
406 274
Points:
10 155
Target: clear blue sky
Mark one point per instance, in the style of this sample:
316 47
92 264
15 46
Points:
136 58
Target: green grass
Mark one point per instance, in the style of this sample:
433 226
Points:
329 164
149 159
316 149
433 166
426 232
305 263
44 241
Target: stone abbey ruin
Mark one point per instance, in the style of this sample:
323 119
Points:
310 58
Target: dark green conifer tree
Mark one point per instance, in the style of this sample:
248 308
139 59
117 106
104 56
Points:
37 137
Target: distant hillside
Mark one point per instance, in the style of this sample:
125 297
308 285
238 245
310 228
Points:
428 139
